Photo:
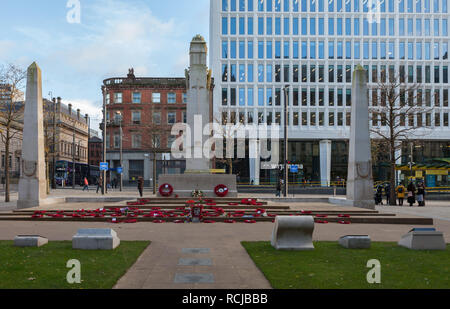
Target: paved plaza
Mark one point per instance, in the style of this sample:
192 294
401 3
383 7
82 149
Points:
191 256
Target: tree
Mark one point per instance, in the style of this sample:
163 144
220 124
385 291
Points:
154 131
399 107
49 110
226 133
12 80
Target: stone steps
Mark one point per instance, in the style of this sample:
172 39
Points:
355 219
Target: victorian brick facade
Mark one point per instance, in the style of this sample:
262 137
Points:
146 108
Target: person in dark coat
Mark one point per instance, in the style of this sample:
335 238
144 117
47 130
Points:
411 194
279 188
387 192
140 184
379 196
421 195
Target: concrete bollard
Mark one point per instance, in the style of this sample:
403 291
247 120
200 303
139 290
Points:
293 233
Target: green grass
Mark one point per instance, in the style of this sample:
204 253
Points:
330 266
45 267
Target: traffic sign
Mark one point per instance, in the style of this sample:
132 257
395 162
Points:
294 168
104 166
120 170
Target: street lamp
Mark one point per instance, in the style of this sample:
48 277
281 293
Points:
73 155
119 114
104 90
286 172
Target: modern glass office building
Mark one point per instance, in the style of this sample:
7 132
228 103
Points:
257 47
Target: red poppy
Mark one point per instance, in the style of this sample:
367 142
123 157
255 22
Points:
322 222
344 222
229 221
250 221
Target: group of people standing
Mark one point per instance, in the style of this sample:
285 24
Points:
411 193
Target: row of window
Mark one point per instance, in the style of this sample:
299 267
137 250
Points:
333 97
156 117
137 98
136 141
335 50
336 26
333 73
313 119
382 6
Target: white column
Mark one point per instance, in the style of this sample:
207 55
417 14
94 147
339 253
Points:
398 155
255 166
325 163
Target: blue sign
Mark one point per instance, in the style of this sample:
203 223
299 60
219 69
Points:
104 166
119 170
294 168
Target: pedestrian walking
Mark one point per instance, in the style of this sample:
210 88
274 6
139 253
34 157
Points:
279 188
99 183
141 186
411 194
401 192
379 196
387 192
421 195
86 184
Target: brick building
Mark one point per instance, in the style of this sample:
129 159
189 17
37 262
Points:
146 108
95 151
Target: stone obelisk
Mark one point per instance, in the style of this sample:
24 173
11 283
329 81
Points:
32 184
198 175
360 179
198 79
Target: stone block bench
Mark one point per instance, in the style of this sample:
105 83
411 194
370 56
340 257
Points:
95 239
293 233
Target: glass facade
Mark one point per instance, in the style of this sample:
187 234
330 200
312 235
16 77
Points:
314 45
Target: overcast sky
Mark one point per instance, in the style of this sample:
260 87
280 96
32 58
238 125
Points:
113 35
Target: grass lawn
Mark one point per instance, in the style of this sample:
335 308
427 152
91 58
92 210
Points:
330 266
45 267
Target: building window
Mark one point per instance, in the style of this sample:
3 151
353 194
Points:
156 141
108 98
156 97
170 141
171 118
136 117
171 97
117 140
184 98
118 98
136 140
157 118
136 97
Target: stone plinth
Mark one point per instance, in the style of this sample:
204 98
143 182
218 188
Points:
355 242
30 241
184 184
95 239
293 233
425 239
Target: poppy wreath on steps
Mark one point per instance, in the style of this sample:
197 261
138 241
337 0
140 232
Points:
166 190
221 190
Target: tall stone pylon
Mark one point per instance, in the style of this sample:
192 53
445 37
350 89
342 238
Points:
198 79
32 184
360 178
